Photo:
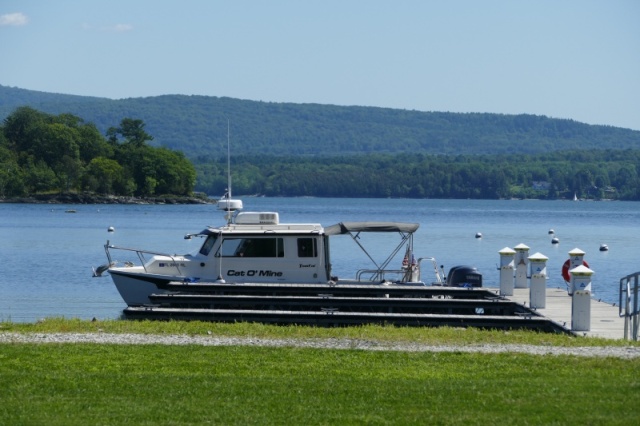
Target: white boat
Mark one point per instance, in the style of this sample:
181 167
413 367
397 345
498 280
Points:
254 247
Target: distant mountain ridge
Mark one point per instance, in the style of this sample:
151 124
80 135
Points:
197 126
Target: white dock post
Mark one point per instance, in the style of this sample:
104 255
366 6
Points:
576 258
581 299
522 265
506 271
538 286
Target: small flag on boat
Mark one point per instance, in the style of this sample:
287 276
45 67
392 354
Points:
413 260
405 261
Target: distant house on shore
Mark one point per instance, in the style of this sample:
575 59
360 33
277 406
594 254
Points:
541 185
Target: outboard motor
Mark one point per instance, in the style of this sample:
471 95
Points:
464 276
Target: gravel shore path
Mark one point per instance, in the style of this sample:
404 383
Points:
147 339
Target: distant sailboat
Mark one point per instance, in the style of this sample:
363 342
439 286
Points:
575 197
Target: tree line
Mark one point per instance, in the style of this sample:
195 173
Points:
610 174
41 153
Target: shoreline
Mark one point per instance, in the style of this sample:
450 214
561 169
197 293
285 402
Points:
72 198
86 198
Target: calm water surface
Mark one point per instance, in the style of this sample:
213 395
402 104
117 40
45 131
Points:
48 254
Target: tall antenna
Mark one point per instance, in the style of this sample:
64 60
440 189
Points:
227 203
228 160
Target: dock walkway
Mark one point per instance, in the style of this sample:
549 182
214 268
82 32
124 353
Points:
605 319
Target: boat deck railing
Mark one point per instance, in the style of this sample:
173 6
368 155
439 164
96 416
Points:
142 256
411 273
439 275
629 306
379 275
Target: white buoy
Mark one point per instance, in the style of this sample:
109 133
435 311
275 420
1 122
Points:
111 229
478 235
555 240
551 231
604 247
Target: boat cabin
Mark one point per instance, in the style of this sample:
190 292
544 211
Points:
257 248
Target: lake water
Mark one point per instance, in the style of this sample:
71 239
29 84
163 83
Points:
47 254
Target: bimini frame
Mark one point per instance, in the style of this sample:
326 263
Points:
406 231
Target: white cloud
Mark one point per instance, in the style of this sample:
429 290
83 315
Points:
14 19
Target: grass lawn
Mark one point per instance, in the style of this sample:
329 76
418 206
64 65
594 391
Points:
81 384
112 384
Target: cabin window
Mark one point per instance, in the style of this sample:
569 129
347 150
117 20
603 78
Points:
253 247
208 245
307 247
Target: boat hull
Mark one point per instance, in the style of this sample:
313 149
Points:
135 287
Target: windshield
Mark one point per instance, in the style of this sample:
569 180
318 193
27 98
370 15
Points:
208 244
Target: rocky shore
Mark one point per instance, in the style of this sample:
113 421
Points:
88 198
359 344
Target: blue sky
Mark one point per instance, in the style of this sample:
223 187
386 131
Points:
576 59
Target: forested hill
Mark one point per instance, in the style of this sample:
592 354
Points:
197 126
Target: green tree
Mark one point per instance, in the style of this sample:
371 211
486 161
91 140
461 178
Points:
104 175
92 144
19 128
40 178
132 130
173 173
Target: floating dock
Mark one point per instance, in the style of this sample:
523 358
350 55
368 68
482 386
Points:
605 317
350 304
